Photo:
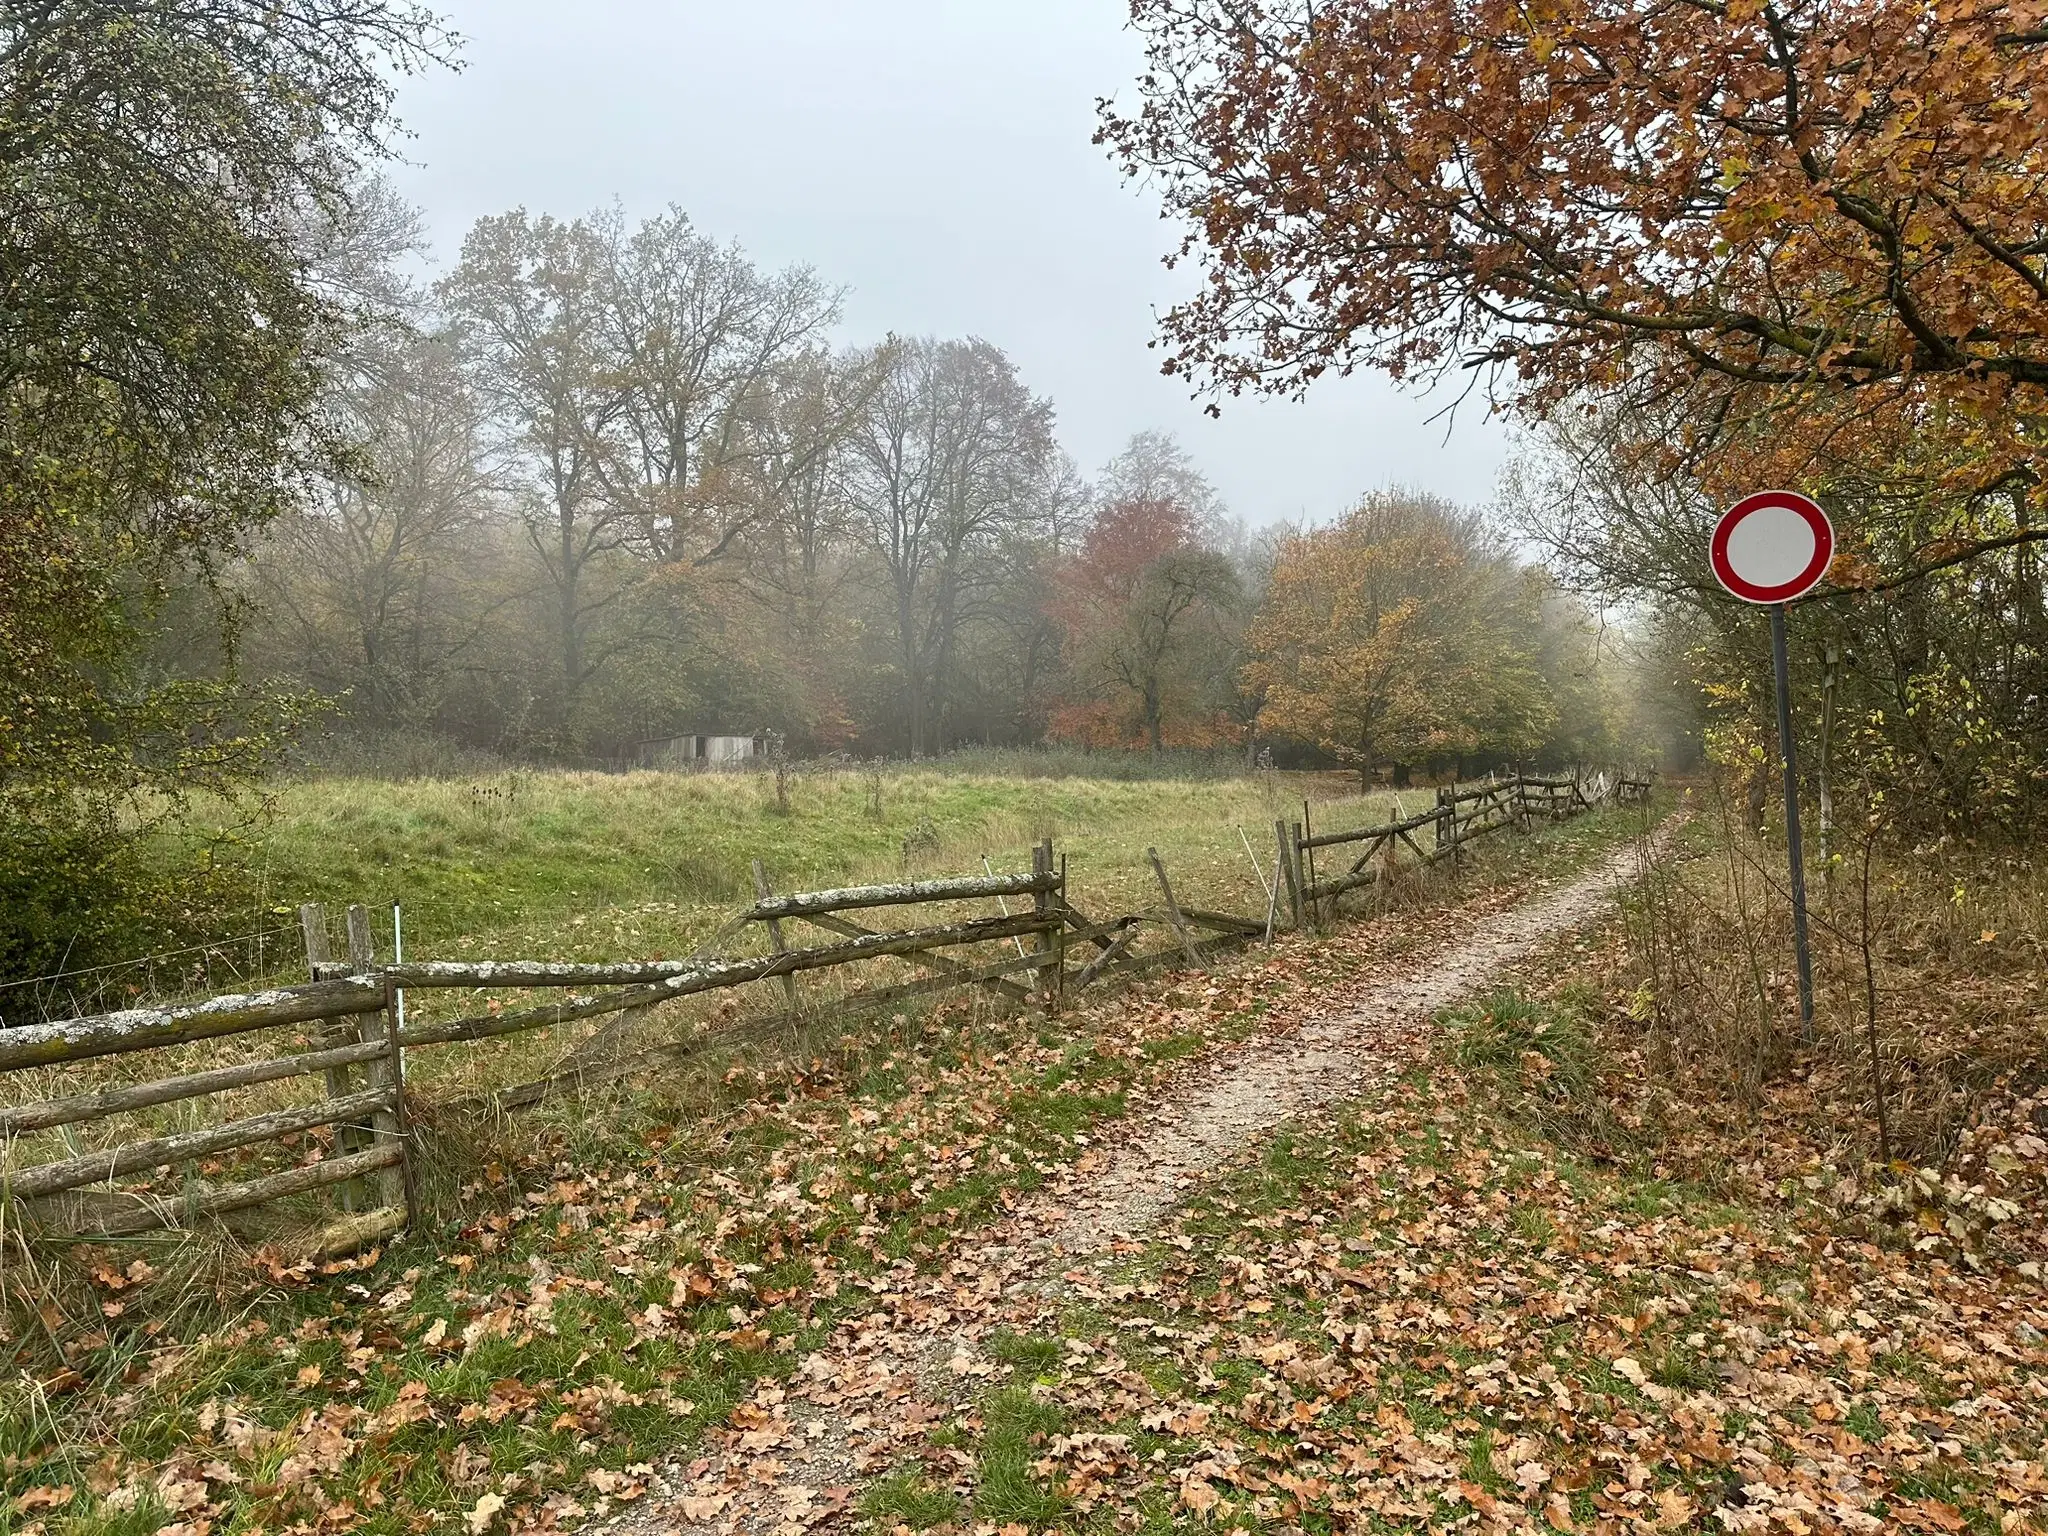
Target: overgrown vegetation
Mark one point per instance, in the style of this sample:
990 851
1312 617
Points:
1919 1101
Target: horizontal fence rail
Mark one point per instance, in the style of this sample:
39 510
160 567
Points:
138 1029
902 895
83 1107
350 1029
98 1167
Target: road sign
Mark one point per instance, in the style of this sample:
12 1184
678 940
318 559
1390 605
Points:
1772 547
1768 549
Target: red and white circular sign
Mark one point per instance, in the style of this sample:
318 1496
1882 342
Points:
1773 546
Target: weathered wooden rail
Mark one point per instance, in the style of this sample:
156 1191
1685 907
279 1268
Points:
348 1025
1460 817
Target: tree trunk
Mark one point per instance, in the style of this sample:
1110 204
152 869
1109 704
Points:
571 635
913 683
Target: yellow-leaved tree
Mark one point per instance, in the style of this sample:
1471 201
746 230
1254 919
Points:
1403 634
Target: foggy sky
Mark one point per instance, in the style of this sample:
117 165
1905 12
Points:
934 157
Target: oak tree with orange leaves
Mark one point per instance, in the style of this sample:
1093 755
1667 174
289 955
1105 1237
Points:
1399 635
1822 225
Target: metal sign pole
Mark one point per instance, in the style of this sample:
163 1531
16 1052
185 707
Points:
1788 752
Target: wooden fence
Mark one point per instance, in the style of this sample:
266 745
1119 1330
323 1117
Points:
1459 818
348 1025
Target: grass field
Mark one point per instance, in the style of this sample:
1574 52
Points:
588 865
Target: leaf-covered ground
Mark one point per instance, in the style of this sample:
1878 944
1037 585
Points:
1477 1298
1447 1305
1422 1312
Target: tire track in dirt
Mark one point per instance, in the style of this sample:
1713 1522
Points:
794 1456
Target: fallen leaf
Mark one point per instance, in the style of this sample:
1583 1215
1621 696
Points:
1674 1509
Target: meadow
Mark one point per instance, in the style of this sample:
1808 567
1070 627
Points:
576 865
518 864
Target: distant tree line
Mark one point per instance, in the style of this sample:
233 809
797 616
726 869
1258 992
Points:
618 484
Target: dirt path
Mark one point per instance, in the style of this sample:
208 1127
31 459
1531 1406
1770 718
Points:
795 1456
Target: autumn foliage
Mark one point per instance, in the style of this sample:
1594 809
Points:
1711 247
1822 214
1399 635
1148 614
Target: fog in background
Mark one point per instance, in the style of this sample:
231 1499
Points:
935 158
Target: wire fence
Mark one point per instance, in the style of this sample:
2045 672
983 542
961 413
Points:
269 957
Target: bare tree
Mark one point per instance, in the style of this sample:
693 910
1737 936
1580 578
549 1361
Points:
1153 466
701 345
802 560
526 297
373 587
947 460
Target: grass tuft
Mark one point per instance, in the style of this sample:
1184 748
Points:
1016 1426
1032 1356
910 1499
1545 1047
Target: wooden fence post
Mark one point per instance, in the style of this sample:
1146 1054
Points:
1173 914
322 966
379 1073
313 929
762 891
1059 935
1305 859
1044 905
1290 861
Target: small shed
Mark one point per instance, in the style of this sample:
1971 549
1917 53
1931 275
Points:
700 750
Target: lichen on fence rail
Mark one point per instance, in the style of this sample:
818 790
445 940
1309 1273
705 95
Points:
113 1162
136 1029
915 893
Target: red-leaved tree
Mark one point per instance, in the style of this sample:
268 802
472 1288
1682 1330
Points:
1143 606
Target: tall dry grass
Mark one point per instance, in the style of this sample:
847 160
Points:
1928 973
